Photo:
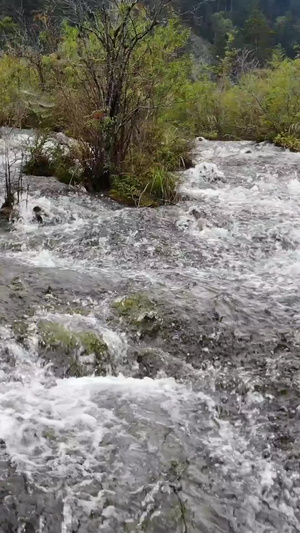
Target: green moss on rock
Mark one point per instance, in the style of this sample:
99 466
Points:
140 313
53 334
133 305
145 200
72 347
92 343
79 311
20 329
17 284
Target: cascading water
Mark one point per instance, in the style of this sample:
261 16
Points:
149 359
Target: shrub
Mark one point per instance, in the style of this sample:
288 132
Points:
12 74
47 158
120 116
289 142
150 190
133 121
109 110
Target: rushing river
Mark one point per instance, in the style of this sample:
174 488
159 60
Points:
150 359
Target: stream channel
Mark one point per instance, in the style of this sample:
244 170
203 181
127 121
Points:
150 358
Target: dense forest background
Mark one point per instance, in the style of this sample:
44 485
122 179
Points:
258 25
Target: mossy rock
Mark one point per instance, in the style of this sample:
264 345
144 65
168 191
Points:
93 344
68 349
16 284
20 329
146 200
140 313
82 311
49 434
53 334
121 198
53 163
18 290
38 165
56 306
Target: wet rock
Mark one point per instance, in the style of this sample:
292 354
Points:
155 363
145 200
64 140
205 308
196 212
46 187
23 505
187 162
140 313
203 172
20 329
73 353
39 214
8 214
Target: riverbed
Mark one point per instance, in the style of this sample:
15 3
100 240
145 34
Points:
150 358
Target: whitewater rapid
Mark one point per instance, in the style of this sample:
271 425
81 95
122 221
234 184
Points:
193 424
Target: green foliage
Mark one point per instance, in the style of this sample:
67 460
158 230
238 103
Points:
134 120
290 142
129 190
211 19
7 28
263 104
127 131
223 27
52 160
174 151
150 190
122 119
38 161
13 76
260 24
258 35
162 185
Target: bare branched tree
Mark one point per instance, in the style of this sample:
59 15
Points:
245 62
34 39
118 28
12 169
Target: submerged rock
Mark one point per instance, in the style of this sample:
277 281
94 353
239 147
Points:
8 214
196 212
39 213
187 162
140 313
73 353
